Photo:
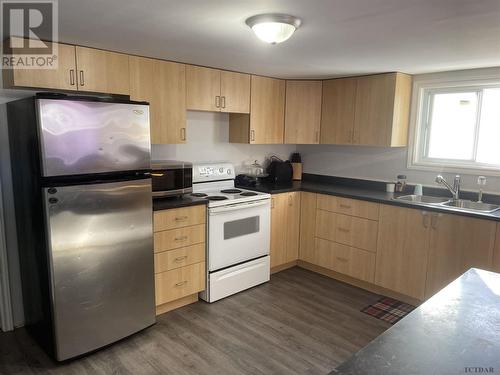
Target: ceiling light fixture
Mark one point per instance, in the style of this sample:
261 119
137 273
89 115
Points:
273 28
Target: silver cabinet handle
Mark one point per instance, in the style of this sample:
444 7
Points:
72 77
223 101
180 259
182 283
82 78
342 259
290 200
425 219
346 206
252 135
183 238
183 134
217 101
345 230
272 202
181 218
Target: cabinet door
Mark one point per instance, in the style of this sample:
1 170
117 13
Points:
292 227
307 226
62 78
496 251
202 88
102 71
163 85
279 204
402 250
235 92
267 110
302 112
337 111
457 243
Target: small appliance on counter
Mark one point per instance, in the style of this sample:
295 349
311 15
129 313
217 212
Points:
297 166
171 178
280 172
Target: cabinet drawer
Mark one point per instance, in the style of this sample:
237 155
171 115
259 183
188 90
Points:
169 260
346 206
178 283
178 218
347 260
357 232
175 238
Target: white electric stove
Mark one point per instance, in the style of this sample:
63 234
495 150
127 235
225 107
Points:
238 231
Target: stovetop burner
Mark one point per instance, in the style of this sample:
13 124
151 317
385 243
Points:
216 198
231 191
248 194
198 195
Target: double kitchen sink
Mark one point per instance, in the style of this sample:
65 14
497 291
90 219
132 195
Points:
457 204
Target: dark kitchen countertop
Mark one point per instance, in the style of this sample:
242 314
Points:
176 202
456 329
373 191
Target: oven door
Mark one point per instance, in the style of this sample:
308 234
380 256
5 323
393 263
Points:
237 233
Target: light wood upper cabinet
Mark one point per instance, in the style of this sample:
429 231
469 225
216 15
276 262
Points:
163 85
63 78
456 244
402 250
216 90
382 110
285 222
337 111
234 92
202 88
102 71
266 122
302 112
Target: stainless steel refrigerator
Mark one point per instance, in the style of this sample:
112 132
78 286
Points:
84 219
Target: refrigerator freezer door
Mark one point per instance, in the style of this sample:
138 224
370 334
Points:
100 244
85 137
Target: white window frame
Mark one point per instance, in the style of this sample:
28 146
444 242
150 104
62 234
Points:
423 87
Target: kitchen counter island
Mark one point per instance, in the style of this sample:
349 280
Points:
457 331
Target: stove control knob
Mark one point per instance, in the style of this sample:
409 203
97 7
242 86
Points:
228 171
221 170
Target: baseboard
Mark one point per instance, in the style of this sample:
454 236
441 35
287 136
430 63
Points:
169 306
283 267
358 283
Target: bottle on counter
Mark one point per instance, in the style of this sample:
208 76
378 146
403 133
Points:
296 161
400 184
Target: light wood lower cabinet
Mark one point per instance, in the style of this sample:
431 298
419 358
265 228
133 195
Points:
179 247
180 282
163 85
456 244
285 222
307 226
403 250
496 251
350 261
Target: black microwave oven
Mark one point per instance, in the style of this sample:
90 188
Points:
171 178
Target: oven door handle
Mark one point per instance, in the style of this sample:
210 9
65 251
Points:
238 206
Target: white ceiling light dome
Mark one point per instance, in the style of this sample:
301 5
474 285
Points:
273 28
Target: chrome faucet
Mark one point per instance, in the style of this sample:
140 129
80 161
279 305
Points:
455 190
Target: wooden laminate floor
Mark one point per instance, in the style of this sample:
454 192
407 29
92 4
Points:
298 323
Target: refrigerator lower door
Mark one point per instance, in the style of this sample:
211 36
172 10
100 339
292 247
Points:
100 250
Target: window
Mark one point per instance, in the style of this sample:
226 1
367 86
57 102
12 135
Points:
458 127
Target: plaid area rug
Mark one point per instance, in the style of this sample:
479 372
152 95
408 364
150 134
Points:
388 310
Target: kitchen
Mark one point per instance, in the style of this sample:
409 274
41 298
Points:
148 205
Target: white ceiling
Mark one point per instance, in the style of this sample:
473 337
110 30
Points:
338 37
